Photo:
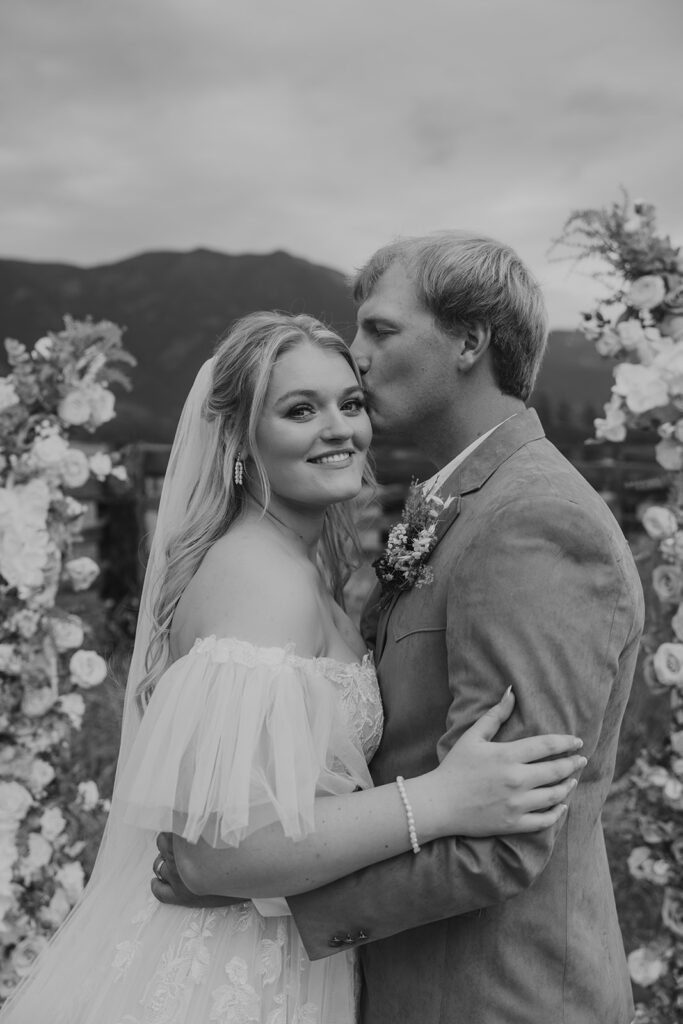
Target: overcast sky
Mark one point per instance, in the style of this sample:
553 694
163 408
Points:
326 128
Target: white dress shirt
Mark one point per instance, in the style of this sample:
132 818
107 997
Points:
439 479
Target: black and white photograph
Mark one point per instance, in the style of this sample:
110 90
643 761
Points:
341 512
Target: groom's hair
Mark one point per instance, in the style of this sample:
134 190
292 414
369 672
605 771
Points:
465 279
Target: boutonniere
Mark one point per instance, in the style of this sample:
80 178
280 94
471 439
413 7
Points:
403 563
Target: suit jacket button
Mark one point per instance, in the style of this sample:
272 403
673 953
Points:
362 934
336 940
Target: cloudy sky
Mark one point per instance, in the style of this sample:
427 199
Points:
326 128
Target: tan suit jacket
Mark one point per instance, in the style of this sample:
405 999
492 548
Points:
534 585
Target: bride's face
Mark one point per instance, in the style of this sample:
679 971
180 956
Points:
314 431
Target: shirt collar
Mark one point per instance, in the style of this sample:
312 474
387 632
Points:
435 482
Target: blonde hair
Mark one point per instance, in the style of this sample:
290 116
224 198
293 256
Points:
241 372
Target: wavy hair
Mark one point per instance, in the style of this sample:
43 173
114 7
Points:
242 367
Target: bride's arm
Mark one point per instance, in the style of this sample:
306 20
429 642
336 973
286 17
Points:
480 788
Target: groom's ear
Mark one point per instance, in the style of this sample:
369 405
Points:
472 344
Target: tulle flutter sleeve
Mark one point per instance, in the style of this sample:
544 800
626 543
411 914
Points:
236 737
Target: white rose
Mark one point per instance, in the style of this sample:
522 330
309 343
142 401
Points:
8 395
669 455
637 861
57 909
630 334
120 473
74 468
25 952
73 706
608 342
15 801
72 879
88 794
50 450
673 790
24 539
82 572
74 409
659 522
10 664
641 387
42 774
52 823
669 362
645 966
87 669
646 292
36 703
102 404
668 664
613 426
67 632
100 465
45 346
39 854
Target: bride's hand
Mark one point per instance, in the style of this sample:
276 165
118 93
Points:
492 788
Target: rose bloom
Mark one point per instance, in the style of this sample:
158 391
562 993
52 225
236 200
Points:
74 408
669 455
100 465
630 334
102 404
659 522
645 966
74 468
36 703
668 664
67 633
50 450
72 879
52 823
73 706
87 669
637 860
608 342
88 794
641 387
82 572
15 801
8 396
57 909
25 952
646 292
667 582
42 774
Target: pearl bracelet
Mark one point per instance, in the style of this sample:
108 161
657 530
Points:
412 831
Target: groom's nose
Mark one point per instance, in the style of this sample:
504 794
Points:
358 353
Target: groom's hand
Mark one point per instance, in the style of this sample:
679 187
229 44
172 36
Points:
168 886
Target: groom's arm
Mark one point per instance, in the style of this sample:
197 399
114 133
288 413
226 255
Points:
540 600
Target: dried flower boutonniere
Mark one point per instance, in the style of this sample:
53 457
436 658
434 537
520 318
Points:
403 563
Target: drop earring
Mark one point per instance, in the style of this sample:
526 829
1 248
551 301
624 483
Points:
238 471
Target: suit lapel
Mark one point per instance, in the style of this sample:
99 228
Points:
469 476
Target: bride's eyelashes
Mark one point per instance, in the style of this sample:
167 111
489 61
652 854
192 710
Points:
352 406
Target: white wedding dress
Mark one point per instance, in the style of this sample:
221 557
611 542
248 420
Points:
234 737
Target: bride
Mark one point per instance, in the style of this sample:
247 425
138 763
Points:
251 711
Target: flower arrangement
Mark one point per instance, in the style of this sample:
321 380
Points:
404 562
640 324
50 820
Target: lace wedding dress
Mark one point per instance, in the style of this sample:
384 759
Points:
234 737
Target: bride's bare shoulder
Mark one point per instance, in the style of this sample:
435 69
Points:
250 587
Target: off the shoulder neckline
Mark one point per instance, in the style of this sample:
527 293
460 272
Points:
208 644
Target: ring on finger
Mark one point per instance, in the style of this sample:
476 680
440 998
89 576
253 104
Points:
157 866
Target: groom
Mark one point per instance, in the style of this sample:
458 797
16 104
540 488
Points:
533 585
